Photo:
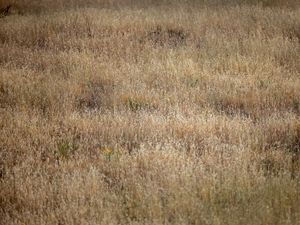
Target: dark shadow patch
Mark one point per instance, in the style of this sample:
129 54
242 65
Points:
96 95
292 33
8 95
234 105
172 37
287 139
270 167
5 11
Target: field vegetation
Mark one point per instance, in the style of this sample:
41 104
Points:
150 112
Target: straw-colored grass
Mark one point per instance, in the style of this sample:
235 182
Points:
150 112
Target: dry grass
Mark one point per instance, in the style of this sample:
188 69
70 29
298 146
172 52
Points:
147 112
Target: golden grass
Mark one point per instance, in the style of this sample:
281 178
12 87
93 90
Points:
147 112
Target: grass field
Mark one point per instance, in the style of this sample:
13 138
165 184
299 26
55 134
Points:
150 112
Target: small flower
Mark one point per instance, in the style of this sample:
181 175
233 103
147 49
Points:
106 151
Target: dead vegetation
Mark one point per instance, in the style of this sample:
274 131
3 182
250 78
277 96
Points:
147 112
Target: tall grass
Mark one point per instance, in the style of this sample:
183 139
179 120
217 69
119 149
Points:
147 112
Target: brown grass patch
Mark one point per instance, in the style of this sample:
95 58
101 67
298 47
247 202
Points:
147 112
